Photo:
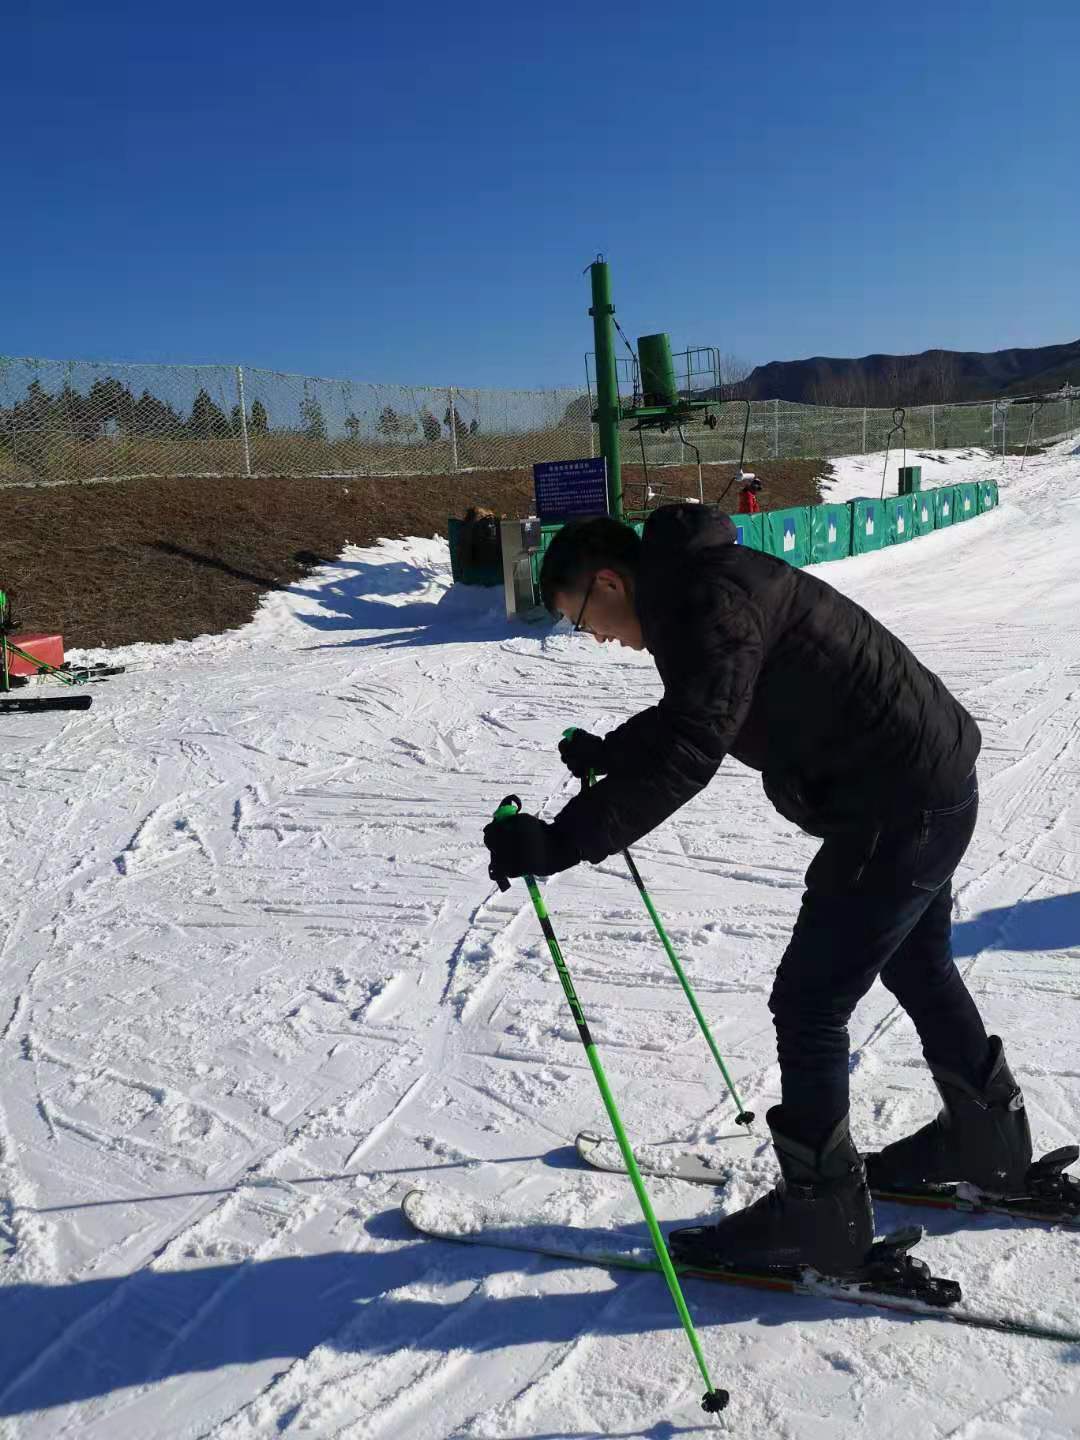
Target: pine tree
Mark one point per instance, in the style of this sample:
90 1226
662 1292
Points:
207 419
259 422
71 413
459 424
152 416
109 400
389 423
430 426
35 411
312 420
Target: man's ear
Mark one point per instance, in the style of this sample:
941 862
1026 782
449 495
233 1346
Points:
612 580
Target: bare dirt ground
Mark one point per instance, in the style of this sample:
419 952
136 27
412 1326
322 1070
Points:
160 560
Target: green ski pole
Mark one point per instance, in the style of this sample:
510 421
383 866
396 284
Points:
743 1116
714 1400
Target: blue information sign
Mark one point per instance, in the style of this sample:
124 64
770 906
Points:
566 489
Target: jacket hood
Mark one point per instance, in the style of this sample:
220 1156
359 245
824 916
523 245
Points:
677 532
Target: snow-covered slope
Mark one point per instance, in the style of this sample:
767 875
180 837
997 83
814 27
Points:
855 475
255 983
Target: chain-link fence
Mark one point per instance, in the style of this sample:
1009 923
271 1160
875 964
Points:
66 421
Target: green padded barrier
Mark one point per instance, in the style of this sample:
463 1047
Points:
787 534
967 501
830 532
900 519
944 505
925 517
751 530
869 526
988 495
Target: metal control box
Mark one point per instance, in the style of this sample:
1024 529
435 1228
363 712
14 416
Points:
520 544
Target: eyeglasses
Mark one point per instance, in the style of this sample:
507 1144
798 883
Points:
579 628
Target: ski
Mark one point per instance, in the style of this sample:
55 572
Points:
890 1280
82 674
664 1161
1050 1196
26 704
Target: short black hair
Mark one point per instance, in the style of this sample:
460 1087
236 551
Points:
583 547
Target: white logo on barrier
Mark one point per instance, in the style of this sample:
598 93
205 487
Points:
967 502
869 524
925 515
899 524
832 532
789 539
945 508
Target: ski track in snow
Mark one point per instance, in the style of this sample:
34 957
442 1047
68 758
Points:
255 983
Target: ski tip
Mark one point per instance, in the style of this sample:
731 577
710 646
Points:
412 1203
587 1140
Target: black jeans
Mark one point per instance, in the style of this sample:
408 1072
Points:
877 902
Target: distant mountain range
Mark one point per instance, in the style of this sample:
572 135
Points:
934 377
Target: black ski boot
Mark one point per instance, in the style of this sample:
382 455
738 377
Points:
981 1136
819 1213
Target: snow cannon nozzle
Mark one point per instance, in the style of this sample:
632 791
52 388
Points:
746 1118
713 1401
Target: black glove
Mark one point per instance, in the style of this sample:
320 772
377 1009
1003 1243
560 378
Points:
582 752
524 845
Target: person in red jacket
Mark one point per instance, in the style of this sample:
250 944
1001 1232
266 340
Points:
748 493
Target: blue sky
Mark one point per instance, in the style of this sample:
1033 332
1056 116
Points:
410 192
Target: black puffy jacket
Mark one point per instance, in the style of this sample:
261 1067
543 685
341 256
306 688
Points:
773 666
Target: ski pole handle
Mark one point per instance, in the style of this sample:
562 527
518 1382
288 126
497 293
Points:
508 808
569 734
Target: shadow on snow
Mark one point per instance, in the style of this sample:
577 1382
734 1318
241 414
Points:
1052 923
359 596
69 1343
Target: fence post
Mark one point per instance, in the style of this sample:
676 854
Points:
776 428
453 428
243 418
933 427
864 429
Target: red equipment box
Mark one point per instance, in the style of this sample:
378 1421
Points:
49 648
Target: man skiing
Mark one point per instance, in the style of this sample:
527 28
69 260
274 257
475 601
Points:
858 744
